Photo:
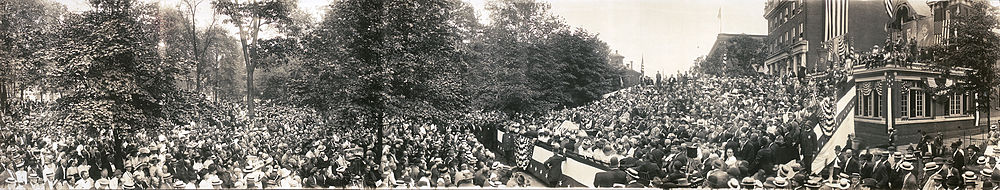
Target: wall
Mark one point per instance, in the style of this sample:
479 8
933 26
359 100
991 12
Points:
874 134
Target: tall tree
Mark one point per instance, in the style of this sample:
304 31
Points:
198 51
115 72
28 30
975 47
249 17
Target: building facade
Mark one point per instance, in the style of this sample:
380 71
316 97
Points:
898 96
798 30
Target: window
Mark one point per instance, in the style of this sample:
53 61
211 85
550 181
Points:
904 110
801 30
956 104
953 105
869 105
918 109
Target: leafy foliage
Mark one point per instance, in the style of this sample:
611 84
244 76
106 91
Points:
110 60
974 47
533 62
737 58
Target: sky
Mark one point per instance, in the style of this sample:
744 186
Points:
666 35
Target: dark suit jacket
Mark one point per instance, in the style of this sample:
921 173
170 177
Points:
609 178
555 169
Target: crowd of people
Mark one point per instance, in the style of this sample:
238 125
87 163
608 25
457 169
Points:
689 131
426 155
287 149
715 132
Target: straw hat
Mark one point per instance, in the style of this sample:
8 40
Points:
907 166
931 166
844 184
179 184
969 176
780 182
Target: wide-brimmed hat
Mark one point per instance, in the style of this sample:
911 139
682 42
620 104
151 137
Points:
814 183
986 172
683 182
179 184
910 157
981 160
747 181
216 181
906 166
733 183
897 155
931 166
247 169
844 184
969 176
780 182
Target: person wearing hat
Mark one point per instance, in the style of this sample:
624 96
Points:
882 170
971 179
85 182
909 180
748 183
985 180
932 170
958 156
611 177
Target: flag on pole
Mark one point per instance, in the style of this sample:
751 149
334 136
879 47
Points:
720 13
888 7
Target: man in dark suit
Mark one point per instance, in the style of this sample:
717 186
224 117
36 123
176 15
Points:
881 172
611 177
958 156
851 164
507 146
554 173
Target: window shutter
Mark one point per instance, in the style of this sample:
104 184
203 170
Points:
927 105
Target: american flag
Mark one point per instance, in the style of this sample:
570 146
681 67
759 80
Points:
888 7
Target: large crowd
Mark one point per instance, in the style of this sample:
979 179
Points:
689 131
738 132
286 150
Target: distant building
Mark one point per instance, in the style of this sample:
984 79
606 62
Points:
797 30
616 59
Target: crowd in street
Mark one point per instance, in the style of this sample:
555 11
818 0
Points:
736 132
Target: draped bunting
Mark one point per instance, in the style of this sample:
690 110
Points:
878 87
866 88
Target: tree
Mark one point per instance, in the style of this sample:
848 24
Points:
197 51
116 76
224 64
975 47
736 58
742 54
28 30
249 18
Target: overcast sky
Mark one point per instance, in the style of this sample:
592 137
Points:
667 34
